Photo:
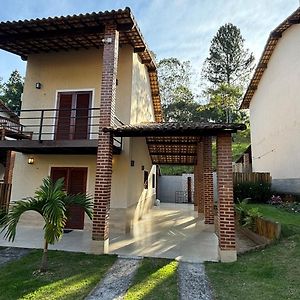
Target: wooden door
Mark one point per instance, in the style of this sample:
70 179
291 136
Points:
64 117
189 190
73 116
75 182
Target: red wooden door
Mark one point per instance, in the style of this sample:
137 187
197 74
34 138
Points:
64 118
75 182
82 116
73 116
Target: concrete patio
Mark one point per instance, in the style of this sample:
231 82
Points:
169 231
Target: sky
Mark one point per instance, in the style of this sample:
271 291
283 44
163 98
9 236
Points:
171 28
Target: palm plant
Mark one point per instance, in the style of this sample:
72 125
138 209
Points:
52 202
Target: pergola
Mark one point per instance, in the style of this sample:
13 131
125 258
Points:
191 144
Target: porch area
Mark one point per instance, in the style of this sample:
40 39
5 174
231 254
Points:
172 231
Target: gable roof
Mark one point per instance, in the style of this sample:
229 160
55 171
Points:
272 41
79 32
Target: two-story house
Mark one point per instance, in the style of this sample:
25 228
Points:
91 113
273 99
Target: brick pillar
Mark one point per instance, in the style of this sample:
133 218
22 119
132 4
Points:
200 184
196 197
227 247
105 143
208 181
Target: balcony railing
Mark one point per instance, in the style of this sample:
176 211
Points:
58 124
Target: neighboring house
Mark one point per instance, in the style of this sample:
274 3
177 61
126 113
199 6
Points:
244 163
273 99
92 114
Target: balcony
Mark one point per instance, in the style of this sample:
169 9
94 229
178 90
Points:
54 131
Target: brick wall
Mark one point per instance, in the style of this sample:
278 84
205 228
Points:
225 191
104 153
208 181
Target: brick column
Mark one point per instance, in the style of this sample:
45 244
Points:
208 181
196 197
227 247
105 143
200 177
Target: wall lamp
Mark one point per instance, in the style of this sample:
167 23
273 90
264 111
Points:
30 160
38 85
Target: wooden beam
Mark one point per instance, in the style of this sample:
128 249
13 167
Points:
262 65
139 49
294 21
57 33
173 153
124 27
276 35
194 143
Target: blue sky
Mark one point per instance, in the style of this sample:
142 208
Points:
172 28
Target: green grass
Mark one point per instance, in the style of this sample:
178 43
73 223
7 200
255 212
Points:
272 273
155 279
70 276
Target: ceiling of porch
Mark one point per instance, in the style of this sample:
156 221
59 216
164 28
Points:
173 143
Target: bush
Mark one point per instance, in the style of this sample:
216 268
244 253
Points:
256 191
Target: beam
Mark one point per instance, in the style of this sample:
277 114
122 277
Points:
179 143
124 27
276 35
57 33
262 65
139 49
172 153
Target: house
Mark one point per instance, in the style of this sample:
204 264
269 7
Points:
91 113
272 97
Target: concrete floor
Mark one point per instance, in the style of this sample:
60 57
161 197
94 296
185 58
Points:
169 231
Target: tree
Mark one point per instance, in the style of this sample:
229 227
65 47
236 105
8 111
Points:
177 99
52 203
12 91
228 61
223 105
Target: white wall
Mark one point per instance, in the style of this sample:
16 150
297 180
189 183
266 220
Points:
275 111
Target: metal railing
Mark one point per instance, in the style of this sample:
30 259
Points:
59 124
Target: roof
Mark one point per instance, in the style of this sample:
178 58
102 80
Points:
174 129
173 143
272 41
79 32
247 151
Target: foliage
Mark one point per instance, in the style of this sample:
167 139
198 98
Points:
256 191
247 215
293 207
70 276
177 99
155 279
275 200
12 91
271 273
228 61
176 170
52 203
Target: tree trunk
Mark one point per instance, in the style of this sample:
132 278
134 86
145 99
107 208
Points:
44 265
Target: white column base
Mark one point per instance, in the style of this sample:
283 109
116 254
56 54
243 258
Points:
99 247
227 255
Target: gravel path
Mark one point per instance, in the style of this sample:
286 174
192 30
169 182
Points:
117 280
193 283
10 254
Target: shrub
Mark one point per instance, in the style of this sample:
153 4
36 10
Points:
275 200
247 215
256 191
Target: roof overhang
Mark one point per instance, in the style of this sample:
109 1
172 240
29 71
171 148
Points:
173 143
273 39
76 32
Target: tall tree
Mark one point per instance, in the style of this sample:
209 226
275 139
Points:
178 101
12 91
228 61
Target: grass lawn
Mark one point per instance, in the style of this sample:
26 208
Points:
70 276
155 279
272 273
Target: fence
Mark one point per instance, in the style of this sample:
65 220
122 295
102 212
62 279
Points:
251 177
5 190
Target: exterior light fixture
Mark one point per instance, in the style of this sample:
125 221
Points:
107 40
132 163
143 168
30 160
38 85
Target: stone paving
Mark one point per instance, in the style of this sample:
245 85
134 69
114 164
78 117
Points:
10 254
117 280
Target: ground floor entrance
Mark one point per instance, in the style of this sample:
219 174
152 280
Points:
172 231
